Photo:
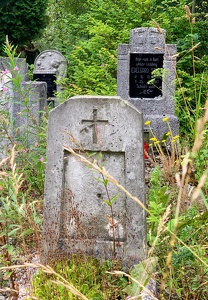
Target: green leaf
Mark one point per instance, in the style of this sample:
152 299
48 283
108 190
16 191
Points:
204 199
105 182
108 202
26 232
13 231
142 273
113 199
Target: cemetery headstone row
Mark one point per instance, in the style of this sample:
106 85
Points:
110 129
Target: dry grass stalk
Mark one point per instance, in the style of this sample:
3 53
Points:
158 27
182 182
200 185
48 270
136 281
161 229
188 13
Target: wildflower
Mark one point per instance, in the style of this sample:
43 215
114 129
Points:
176 137
147 123
150 145
165 119
6 71
42 159
173 141
36 144
163 141
168 133
157 142
5 89
16 68
153 139
102 65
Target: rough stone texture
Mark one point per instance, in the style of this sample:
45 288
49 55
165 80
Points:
36 92
75 215
7 105
50 62
9 100
12 93
150 41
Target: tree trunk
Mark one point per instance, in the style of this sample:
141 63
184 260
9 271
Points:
193 7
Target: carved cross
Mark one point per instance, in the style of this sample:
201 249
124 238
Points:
93 124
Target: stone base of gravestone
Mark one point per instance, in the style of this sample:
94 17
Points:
109 131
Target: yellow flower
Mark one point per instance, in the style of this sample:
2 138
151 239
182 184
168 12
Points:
150 145
153 139
157 142
176 137
163 141
168 133
147 122
173 141
165 119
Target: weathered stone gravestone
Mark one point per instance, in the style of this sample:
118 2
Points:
137 60
50 66
76 217
6 82
9 99
12 106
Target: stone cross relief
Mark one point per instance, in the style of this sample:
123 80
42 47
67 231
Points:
94 124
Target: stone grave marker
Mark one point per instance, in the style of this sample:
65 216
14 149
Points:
50 66
11 101
76 217
137 60
12 93
9 98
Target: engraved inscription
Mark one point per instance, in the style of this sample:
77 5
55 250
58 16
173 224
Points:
141 67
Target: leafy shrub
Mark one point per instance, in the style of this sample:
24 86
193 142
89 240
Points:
22 21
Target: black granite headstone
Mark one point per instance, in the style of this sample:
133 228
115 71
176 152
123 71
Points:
141 67
50 80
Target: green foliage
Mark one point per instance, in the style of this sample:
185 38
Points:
201 160
22 21
185 270
31 155
21 177
189 32
4 3
19 220
86 274
88 35
142 274
188 272
158 200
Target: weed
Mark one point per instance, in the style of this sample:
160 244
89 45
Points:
85 277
